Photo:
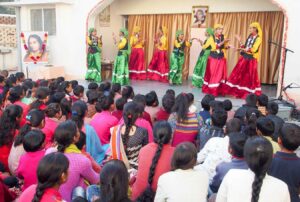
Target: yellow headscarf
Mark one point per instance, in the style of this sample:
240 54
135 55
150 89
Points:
165 30
136 29
217 26
257 26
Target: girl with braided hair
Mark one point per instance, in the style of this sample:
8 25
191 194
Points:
51 173
254 185
154 160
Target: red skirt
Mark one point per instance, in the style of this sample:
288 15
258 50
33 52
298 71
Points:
244 79
158 69
137 68
215 76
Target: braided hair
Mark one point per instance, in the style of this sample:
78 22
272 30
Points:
130 115
49 173
162 135
258 154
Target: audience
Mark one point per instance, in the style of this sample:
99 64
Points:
152 105
205 113
118 113
262 103
272 110
164 112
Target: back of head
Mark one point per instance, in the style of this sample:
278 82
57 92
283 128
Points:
92 96
258 153
216 105
104 103
20 76
237 142
44 83
272 108
120 103
82 141
290 136
184 157
252 115
151 99
78 90
190 98
181 107
64 134
168 102
93 86
162 132
170 92
35 117
251 100
130 113
42 93
265 126
263 100
74 83
58 96
127 92
116 87
233 125
79 110
51 169
227 105
140 99
15 94
52 110
114 181
206 100
33 141
219 118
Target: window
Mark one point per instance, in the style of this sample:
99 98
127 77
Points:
43 20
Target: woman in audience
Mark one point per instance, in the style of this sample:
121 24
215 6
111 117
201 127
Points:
152 104
66 135
116 91
183 183
9 125
127 93
93 144
42 97
127 139
185 124
154 160
118 113
254 185
164 112
52 172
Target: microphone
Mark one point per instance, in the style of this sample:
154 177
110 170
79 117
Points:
288 86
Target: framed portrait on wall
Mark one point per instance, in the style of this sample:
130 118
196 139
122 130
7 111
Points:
199 16
104 17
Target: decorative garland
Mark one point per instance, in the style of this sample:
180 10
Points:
35 59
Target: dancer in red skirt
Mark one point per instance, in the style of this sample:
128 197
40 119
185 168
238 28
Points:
244 77
158 69
216 68
137 68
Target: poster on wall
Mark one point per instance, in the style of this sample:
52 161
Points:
34 47
104 17
199 16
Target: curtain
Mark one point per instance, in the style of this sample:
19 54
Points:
272 24
149 27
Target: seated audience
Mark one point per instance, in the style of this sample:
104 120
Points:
165 111
272 110
228 107
205 112
141 100
118 113
262 103
152 104
251 101
78 92
42 97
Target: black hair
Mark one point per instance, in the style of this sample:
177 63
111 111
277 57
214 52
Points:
79 199
140 99
9 123
79 110
15 94
251 100
233 125
44 83
130 115
152 99
227 104
219 118
170 92
41 94
265 126
190 98
49 172
34 118
52 109
258 153
27 86
33 141
181 107
79 89
162 135
64 134
127 92
184 157
168 102
216 105
252 115
206 100
92 96
20 75
115 88
106 86
65 106
39 40
63 86
58 96
237 142
120 103
263 100
82 141
290 136
60 79
12 79
104 103
272 108
2 79
74 83
93 86
114 182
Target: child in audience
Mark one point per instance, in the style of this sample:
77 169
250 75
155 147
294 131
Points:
251 101
170 92
286 165
20 78
103 120
141 100
192 108
205 113
42 97
236 150
249 122
30 88
152 104
165 111
93 86
272 110
116 91
92 96
183 183
233 126
33 144
65 87
52 172
262 103
78 92
127 93
2 84
254 184
4 73
265 127
154 160
74 83
228 107
118 113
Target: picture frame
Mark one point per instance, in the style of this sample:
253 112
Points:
199 16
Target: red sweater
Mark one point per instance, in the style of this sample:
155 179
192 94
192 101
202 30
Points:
4 153
145 160
162 115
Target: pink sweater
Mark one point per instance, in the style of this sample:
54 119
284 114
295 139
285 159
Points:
28 167
80 169
49 129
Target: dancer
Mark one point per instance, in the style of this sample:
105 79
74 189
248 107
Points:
120 72
199 70
137 60
94 56
177 58
158 69
244 77
216 69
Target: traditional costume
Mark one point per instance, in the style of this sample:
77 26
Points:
244 77
120 73
199 70
177 59
137 68
158 69
216 68
94 57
